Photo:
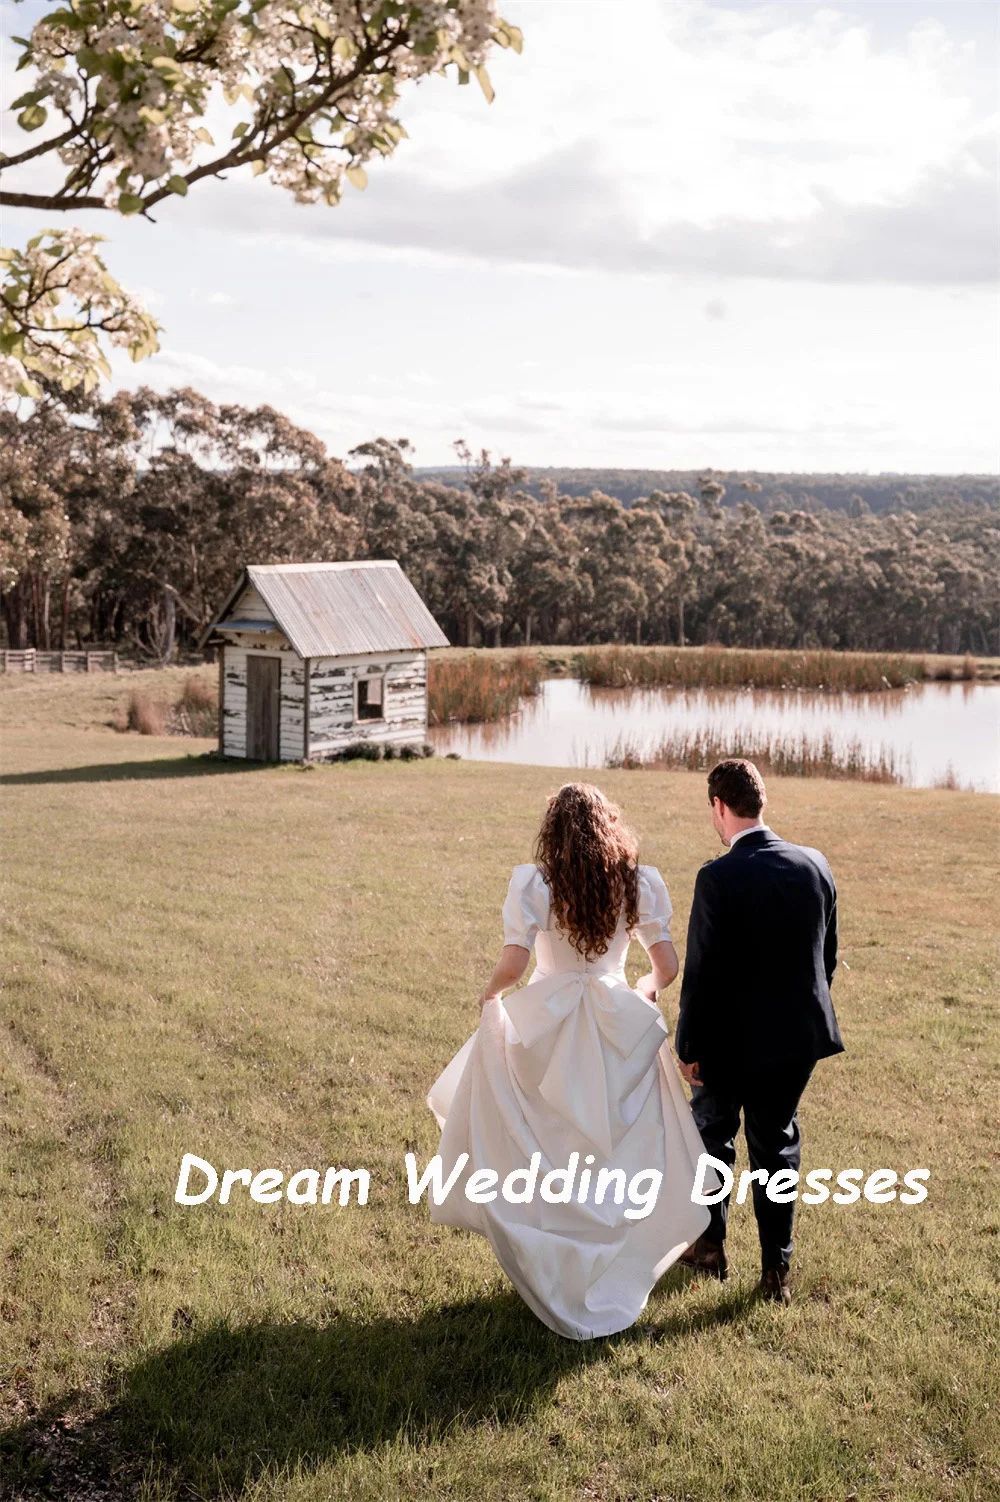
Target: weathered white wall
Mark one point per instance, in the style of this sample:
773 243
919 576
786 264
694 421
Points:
234 720
250 607
331 697
331 700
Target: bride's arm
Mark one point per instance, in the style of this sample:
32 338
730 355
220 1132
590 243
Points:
663 958
507 972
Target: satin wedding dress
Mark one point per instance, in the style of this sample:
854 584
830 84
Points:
574 1061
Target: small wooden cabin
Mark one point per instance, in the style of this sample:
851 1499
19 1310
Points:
315 656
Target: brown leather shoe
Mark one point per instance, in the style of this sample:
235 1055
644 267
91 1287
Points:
774 1285
704 1256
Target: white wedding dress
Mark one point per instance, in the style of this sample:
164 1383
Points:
575 1061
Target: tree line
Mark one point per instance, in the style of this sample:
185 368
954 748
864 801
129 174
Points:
125 521
769 491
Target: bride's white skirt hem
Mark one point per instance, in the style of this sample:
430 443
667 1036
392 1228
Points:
573 1062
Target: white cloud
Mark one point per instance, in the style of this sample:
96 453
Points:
216 299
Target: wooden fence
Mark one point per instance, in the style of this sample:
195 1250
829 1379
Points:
30 660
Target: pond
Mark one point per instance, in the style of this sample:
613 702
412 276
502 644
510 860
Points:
930 734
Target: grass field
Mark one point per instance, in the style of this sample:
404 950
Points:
268 967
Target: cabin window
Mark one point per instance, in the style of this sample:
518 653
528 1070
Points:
371 697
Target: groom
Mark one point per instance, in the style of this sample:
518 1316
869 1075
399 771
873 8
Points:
755 1009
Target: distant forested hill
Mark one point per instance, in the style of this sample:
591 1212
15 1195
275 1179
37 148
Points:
770 492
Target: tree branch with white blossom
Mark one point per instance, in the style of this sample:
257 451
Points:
128 84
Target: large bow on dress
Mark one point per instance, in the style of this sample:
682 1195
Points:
574 1018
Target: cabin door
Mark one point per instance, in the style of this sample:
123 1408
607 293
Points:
263 707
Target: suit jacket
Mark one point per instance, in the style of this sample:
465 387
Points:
761 953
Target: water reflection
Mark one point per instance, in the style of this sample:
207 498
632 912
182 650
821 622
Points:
930 729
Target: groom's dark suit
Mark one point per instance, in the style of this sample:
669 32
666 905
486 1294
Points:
755 1009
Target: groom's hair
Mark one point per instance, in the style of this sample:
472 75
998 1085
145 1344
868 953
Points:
739 785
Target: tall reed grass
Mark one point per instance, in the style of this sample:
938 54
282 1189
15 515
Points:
146 714
197 707
476 689
736 667
194 711
783 755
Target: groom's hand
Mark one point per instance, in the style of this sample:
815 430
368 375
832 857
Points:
689 1072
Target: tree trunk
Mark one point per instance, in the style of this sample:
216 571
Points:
680 621
64 616
36 613
46 641
169 625
527 627
15 609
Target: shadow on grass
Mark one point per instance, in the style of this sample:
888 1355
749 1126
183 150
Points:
208 765
215 1410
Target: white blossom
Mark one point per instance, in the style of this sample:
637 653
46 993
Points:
61 269
132 80
322 81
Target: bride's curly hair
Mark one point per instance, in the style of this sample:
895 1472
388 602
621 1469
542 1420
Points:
589 857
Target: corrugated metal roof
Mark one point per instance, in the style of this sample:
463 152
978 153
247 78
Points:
344 609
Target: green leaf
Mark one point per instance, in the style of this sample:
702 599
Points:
33 117
357 177
240 130
344 48
178 185
30 98
129 203
201 134
258 166
185 6
483 79
28 388
66 19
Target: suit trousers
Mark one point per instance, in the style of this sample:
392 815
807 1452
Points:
769 1104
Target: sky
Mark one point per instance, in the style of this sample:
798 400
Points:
686 233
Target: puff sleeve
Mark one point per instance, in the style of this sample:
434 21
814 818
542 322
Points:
526 907
655 908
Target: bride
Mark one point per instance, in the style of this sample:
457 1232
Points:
575 1063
